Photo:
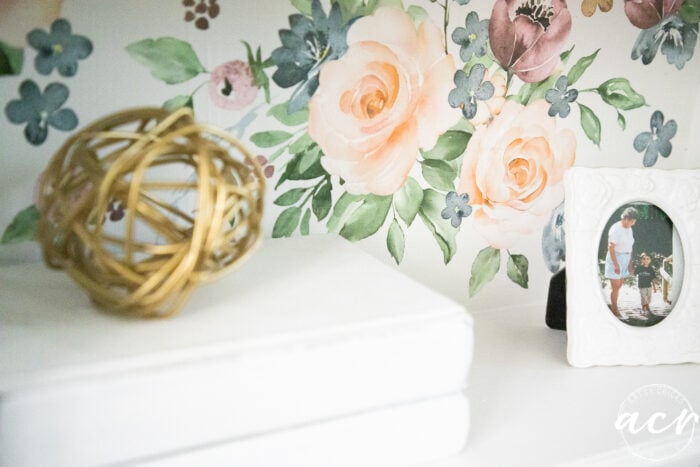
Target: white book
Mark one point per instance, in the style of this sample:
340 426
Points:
308 329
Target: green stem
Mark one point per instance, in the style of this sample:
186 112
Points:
595 90
446 20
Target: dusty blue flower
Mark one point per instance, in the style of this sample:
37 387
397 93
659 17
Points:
457 207
657 141
41 110
560 98
676 38
305 46
472 39
554 240
58 49
462 2
470 89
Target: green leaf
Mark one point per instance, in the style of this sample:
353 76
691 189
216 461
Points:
293 171
367 218
590 124
564 56
449 146
300 144
484 269
11 59
22 227
281 113
304 6
345 205
287 222
417 13
268 139
621 121
304 225
395 241
690 11
432 205
310 156
290 197
439 174
322 202
619 93
177 102
169 59
580 67
530 92
408 199
517 270
257 69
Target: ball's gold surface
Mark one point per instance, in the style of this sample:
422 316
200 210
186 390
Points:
142 206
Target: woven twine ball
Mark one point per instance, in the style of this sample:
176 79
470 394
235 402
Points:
146 162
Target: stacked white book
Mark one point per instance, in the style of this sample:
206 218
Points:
312 353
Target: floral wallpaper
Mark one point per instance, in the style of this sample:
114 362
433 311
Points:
379 118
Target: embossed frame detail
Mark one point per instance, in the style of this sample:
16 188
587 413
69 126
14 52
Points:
595 335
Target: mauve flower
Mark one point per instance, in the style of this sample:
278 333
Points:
232 85
647 13
527 36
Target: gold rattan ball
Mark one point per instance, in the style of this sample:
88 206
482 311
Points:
142 206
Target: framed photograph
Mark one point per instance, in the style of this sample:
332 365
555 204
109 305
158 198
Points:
632 258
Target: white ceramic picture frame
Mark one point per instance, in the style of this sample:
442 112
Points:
595 335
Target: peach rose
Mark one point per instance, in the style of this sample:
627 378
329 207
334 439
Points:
381 101
18 17
513 171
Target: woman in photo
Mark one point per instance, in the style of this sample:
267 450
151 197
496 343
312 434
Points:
618 260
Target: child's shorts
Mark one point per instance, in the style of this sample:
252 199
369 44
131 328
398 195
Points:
645 293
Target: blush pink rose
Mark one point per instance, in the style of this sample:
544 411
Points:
232 86
647 13
527 36
381 101
513 171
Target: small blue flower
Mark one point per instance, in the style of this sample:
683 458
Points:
457 208
560 98
462 2
58 49
657 141
676 38
470 89
472 39
554 240
39 111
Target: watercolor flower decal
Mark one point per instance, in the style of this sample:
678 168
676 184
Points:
38 111
308 44
381 101
59 48
657 141
389 122
527 36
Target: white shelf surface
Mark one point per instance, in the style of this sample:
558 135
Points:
529 407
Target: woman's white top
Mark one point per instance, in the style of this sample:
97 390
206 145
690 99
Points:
622 238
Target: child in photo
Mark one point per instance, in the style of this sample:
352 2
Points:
646 281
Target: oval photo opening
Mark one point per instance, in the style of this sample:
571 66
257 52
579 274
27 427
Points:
640 264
